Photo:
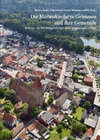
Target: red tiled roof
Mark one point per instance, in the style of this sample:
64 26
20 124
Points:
20 74
18 105
88 79
52 86
20 68
27 75
23 135
39 126
9 118
54 109
13 63
31 127
74 98
39 73
90 131
18 128
59 119
8 59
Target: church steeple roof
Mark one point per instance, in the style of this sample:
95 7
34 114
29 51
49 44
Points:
37 84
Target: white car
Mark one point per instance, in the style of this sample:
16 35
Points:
46 137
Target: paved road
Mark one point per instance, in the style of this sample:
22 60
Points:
61 79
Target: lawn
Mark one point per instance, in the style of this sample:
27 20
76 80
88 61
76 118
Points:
78 113
54 135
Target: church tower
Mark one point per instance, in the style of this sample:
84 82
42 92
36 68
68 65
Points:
37 94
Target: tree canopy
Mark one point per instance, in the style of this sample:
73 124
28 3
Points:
59 128
6 92
11 81
78 128
50 100
8 106
35 111
25 107
75 77
87 105
71 138
6 134
65 39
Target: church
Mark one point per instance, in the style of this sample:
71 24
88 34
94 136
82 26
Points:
31 95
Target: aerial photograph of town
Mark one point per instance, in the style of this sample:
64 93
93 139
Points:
49 69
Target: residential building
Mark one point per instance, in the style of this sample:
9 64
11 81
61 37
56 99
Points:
46 119
9 119
88 81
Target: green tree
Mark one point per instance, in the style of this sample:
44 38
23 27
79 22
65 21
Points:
1 118
6 134
73 72
35 111
2 91
88 48
25 107
91 62
1 125
69 119
50 128
50 100
74 108
71 138
59 128
75 77
10 94
5 92
45 105
76 128
11 81
87 105
67 40
39 63
92 50
98 34
64 124
84 128
8 106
